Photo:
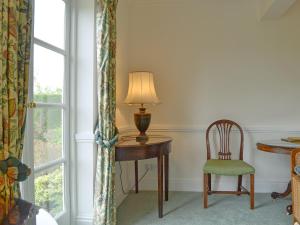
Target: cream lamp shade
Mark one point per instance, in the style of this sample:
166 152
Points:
141 89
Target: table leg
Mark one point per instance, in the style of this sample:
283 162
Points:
136 170
160 184
166 164
289 209
288 190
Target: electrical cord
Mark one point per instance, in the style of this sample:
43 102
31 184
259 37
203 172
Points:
121 180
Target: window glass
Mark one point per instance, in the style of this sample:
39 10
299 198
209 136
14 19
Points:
48 135
49 22
49 188
48 75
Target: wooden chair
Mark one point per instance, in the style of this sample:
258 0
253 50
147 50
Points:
224 165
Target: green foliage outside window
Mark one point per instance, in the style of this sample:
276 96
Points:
48 191
48 147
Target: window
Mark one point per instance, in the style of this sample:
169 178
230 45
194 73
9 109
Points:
47 137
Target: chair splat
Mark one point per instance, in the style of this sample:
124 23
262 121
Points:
224 129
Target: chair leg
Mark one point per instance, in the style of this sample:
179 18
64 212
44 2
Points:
205 189
239 184
209 183
251 191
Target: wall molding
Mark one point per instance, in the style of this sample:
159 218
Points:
85 137
202 128
89 137
160 2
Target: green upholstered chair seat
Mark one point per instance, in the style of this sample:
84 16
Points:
228 167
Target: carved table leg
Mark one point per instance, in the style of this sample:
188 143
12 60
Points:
289 209
160 184
136 170
275 195
166 164
288 190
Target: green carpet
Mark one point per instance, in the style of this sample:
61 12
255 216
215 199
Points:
186 208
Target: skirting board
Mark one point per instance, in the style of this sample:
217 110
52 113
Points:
90 137
88 219
120 198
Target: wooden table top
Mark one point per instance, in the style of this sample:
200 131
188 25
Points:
277 146
130 141
129 149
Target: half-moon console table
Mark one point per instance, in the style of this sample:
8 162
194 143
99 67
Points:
128 149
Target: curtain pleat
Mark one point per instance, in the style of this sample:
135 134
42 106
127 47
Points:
15 38
15 43
104 190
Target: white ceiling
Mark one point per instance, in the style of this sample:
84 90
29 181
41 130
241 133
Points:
266 9
272 9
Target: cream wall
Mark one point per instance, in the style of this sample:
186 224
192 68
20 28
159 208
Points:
213 59
122 113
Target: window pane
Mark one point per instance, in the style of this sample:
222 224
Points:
48 75
49 188
49 21
48 135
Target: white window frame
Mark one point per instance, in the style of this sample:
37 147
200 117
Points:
28 155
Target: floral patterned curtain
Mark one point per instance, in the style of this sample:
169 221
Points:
104 196
15 43
15 38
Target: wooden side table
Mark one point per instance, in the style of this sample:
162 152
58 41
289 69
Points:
128 149
279 147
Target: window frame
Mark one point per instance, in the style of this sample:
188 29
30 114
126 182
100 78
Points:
27 187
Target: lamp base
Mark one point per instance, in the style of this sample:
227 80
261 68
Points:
142 138
142 121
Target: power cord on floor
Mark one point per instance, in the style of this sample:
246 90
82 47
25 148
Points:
121 172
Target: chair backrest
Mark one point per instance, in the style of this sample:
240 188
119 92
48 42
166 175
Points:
224 128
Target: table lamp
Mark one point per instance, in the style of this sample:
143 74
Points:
141 92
